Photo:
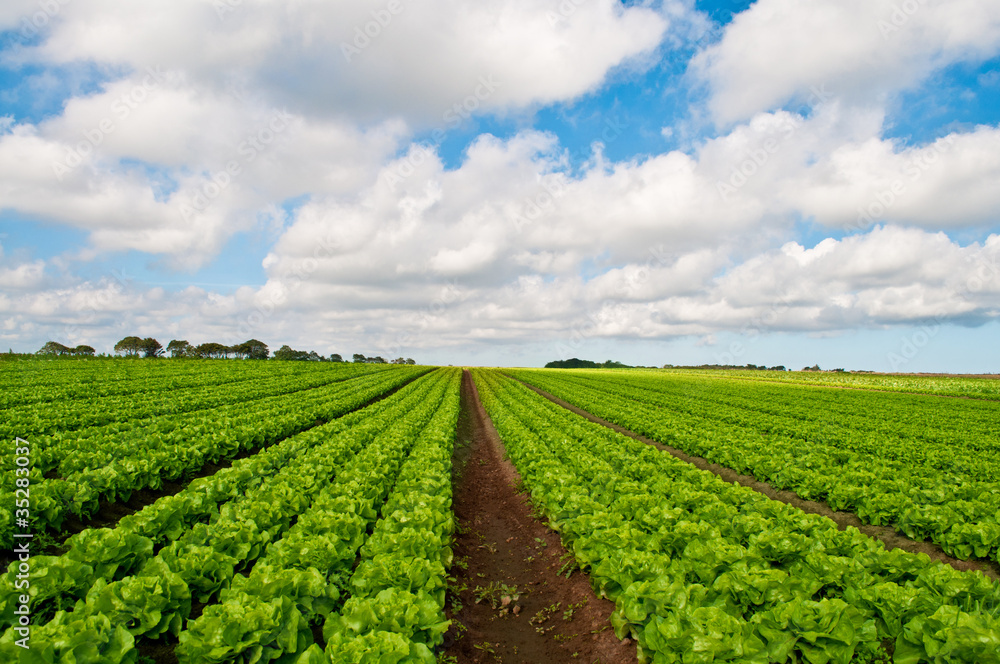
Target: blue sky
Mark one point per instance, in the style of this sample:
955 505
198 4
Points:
655 182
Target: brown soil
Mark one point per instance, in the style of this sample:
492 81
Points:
500 542
159 650
885 534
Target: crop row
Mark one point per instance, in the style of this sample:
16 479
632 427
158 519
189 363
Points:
153 596
396 590
956 386
112 553
702 571
886 481
110 467
47 381
131 409
946 429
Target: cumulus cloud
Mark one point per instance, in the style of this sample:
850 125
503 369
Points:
371 59
225 109
950 183
888 276
835 168
149 165
673 262
305 114
859 50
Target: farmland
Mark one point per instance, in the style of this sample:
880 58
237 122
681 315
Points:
240 511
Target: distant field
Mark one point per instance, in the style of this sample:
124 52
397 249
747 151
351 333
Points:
250 511
979 387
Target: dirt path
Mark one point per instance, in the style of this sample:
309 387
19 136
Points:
510 562
885 534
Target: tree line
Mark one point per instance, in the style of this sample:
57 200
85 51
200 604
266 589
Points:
54 348
577 363
251 349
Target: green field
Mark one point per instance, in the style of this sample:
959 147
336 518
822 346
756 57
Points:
251 511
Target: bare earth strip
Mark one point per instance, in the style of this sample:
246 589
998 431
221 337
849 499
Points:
500 544
884 534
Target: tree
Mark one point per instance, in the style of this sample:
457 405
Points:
252 349
572 363
130 346
286 352
212 349
54 348
409 360
180 348
335 357
359 358
83 350
151 347
377 360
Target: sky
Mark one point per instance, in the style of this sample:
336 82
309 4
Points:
507 182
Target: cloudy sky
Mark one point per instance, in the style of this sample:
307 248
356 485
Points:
507 181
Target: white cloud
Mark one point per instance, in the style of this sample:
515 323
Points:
182 152
22 277
389 250
950 183
835 168
213 165
416 62
858 50
889 276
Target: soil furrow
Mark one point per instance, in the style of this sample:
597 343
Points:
885 534
507 601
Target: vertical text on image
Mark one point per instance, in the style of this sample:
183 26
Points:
22 538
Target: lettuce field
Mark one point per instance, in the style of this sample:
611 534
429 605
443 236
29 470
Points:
162 511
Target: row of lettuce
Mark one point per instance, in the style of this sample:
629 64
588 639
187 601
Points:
703 571
928 466
73 472
973 387
161 397
44 383
276 549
